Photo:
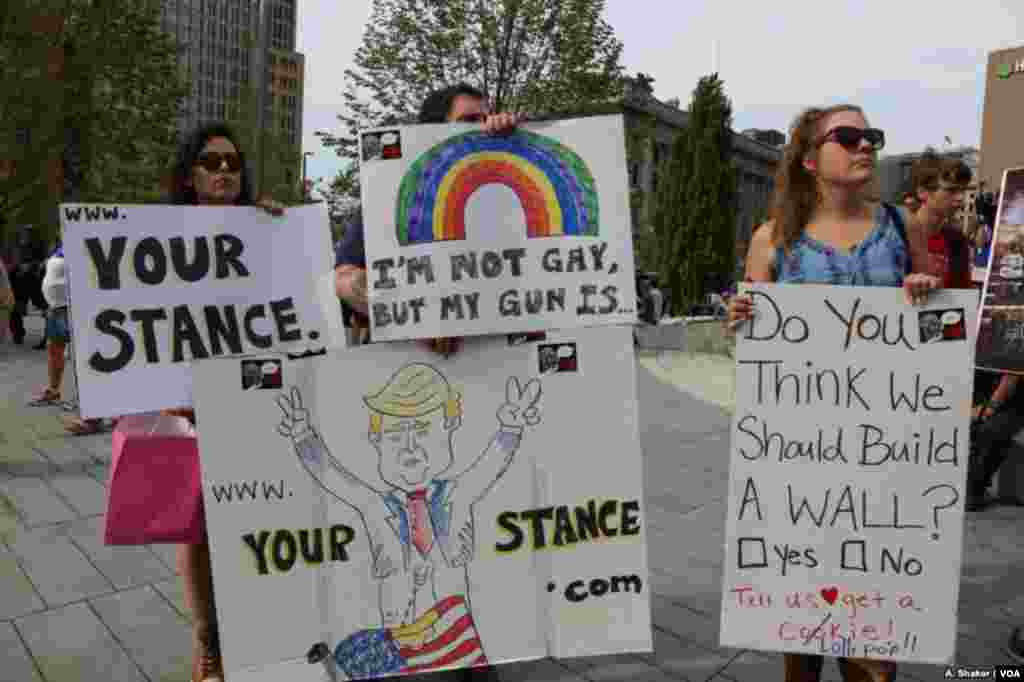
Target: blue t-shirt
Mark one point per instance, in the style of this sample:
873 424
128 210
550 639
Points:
351 250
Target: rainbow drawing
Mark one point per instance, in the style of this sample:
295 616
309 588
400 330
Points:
553 184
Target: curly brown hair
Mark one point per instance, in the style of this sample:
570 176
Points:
929 171
796 190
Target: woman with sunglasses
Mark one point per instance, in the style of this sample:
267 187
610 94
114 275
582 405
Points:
210 170
825 229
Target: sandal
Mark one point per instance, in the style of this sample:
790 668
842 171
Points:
83 427
48 396
206 662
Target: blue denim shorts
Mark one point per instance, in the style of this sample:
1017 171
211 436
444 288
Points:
57 325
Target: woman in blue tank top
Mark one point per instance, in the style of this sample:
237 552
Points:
825 229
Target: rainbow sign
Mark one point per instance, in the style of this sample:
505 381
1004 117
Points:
553 184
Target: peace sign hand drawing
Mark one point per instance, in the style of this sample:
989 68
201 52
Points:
295 420
520 409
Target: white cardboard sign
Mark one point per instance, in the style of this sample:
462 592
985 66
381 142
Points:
153 288
418 513
846 491
469 233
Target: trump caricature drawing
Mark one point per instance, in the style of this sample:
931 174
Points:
420 527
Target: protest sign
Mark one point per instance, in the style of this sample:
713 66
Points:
415 513
1001 324
469 233
846 482
153 288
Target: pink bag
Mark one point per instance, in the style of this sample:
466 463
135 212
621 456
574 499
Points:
155 490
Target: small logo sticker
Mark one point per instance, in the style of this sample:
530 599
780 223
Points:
261 374
558 357
386 144
942 325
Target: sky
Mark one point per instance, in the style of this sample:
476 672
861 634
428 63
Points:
916 67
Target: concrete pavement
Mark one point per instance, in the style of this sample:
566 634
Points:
73 609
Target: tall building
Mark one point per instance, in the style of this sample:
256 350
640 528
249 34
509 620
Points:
282 67
1002 145
225 43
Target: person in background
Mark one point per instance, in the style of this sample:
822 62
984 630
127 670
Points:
456 104
26 280
982 246
1015 647
987 209
910 202
939 186
55 291
460 103
825 229
19 279
6 296
210 170
1003 419
35 276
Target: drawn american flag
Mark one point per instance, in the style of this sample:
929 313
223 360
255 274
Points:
443 637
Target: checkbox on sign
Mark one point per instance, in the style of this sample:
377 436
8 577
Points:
753 553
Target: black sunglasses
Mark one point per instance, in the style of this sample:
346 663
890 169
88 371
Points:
849 137
212 161
470 118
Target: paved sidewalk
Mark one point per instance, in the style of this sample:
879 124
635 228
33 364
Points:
72 609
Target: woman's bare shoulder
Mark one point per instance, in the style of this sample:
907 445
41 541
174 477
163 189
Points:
764 235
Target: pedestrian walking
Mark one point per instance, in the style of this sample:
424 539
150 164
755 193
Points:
55 291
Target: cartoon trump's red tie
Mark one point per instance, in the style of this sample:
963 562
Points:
419 522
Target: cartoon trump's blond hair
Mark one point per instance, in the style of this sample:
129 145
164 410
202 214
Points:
416 390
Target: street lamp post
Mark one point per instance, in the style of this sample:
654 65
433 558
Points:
305 194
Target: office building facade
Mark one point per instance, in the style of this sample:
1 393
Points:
1002 145
755 158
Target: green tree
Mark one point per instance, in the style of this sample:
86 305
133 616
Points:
31 128
101 70
639 137
129 90
695 206
342 204
524 55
